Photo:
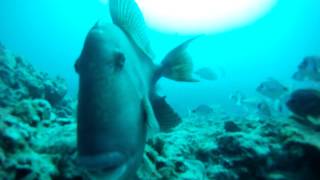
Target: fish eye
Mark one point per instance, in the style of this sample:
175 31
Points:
119 60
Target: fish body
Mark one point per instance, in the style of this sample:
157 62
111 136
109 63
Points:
258 105
272 89
264 109
203 110
102 117
207 74
305 103
237 97
308 69
210 74
118 106
251 104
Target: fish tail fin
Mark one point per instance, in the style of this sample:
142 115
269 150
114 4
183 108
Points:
177 65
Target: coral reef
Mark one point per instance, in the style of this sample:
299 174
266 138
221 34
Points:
19 80
234 149
37 130
38 138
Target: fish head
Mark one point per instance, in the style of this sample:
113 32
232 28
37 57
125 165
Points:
102 55
262 88
308 69
111 133
309 64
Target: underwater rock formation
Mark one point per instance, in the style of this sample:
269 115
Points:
37 131
19 80
273 149
38 138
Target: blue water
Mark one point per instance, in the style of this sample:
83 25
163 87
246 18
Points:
50 34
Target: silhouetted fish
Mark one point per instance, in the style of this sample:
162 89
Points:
305 102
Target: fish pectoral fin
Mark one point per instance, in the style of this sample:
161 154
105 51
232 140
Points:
166 116
150 118
177 65
127 15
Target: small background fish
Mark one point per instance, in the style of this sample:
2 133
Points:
308 69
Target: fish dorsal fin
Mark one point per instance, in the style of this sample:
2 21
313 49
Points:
150 118
127 15
166 116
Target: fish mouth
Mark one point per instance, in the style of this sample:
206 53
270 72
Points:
117 173
112 165
107 161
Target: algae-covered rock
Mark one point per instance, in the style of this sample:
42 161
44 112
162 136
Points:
219 172
58 139
33 111
37 152
55 90
28 165
19 81
14 134
37 131
235 148
230 126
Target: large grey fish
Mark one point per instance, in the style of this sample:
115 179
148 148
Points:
118 107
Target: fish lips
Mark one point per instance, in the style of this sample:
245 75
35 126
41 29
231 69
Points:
113 165
106 161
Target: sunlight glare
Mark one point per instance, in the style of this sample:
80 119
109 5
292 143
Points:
194 16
